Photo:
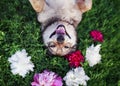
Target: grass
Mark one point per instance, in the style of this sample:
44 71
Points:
19 30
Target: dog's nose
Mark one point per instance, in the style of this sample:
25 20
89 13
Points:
60 39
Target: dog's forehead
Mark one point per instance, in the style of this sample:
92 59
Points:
60 50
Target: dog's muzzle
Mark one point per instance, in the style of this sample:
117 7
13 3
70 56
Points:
60 39
60 31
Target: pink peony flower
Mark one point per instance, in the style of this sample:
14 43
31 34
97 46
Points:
47 79
96 35
75 58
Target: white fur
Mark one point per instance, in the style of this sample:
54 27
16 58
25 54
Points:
64 9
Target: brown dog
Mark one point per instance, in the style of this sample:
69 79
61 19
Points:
59 19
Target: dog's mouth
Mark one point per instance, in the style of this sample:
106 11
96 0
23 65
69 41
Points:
61 32
60 29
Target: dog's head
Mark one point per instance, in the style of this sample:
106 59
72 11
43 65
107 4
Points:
59 19
60 38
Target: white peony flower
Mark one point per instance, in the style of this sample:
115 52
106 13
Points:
76 77
92 55
20 63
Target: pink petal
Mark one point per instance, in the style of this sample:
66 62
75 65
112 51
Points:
35 84
36 78
58 82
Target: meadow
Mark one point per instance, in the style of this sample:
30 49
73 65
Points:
19 30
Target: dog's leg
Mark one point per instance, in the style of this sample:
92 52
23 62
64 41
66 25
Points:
84 5
37 5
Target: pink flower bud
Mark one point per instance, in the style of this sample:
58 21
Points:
96 35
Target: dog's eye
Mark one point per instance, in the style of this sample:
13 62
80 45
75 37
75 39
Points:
66 47
52 46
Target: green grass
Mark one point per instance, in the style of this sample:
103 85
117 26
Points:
19 30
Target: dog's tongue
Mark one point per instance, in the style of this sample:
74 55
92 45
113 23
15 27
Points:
60 30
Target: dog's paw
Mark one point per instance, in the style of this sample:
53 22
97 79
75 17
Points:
37 5
84 5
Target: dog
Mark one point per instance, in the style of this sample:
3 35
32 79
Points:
59 20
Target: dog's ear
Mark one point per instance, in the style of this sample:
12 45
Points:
37 5
84 5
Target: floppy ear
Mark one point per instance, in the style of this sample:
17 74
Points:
84 5
37 5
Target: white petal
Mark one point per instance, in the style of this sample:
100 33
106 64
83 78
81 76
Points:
76 77
20 63
92 54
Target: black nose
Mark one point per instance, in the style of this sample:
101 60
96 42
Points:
60 39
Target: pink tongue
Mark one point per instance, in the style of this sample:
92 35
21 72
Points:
60 30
